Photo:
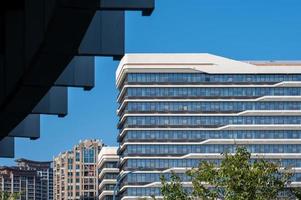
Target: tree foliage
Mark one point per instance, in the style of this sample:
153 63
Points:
296 192
237 178
173 190
9 196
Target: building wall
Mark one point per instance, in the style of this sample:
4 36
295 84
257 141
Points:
108 171
44 171
75 172
46 176
179 109
24 182
31 179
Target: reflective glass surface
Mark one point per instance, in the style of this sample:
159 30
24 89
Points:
191 135
88 155
149 150
203 121
214 96
208 78
213 92
149 164
214 107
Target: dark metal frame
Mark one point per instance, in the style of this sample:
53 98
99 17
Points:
44 47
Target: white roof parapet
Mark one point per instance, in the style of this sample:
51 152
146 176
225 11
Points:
201 62
107 153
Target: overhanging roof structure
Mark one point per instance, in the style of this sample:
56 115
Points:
47 46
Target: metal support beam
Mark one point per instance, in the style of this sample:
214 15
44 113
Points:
79 73
31 62
28 83
7 147
146 6
105 35
55 102
28 128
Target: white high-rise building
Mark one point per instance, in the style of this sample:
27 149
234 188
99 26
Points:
176 110
108 171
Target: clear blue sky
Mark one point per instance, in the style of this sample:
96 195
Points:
239 29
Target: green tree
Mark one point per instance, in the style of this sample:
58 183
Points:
9 196
173 190
237 178
296 192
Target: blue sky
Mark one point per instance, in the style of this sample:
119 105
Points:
239 29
